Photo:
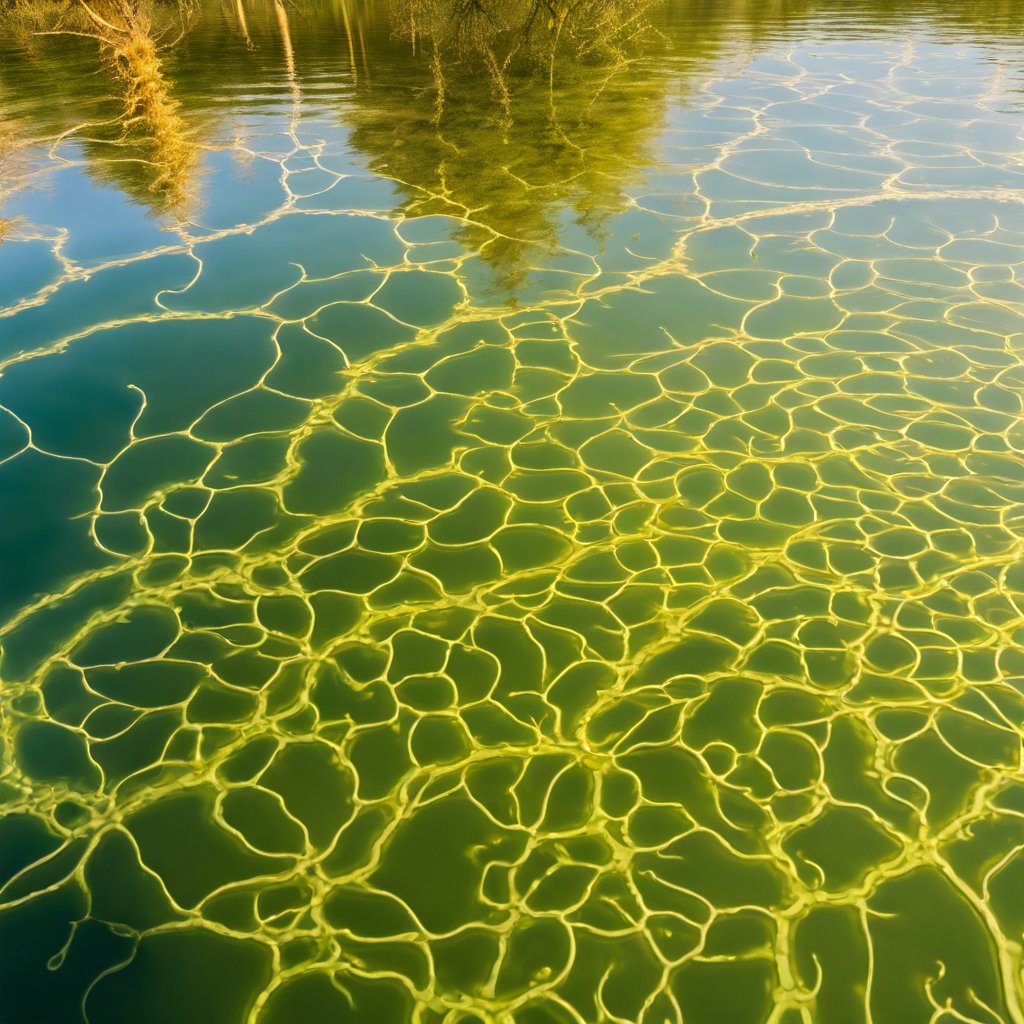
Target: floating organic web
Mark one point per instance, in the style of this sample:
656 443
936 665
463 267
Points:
644 650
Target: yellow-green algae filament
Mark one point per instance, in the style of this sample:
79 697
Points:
559 565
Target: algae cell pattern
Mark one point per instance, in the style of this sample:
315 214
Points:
540 548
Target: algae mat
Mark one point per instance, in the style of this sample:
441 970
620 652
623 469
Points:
557 561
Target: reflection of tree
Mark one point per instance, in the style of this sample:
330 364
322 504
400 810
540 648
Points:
129 38
507 29
570 141
573 131
8 146
498 35
156 153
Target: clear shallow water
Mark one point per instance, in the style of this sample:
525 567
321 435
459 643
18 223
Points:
565 568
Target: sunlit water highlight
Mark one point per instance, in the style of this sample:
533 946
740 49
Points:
559 567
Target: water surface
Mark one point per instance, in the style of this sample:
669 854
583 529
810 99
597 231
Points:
480 566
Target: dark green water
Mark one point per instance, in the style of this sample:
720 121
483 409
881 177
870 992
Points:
554 568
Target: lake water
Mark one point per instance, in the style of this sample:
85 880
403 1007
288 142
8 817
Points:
544 561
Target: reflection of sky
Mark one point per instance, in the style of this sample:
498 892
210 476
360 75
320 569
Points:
101 222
